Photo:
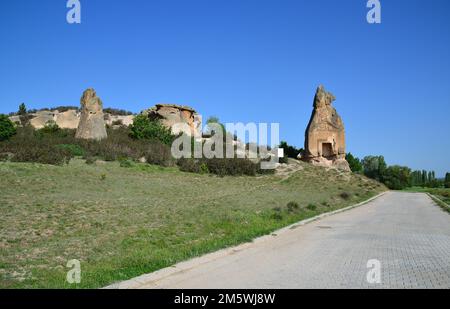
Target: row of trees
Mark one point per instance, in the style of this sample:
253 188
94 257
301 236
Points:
424 179
395 177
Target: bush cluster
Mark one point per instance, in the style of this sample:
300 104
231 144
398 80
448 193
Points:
222 167
144 139
159 154
7 128
52 145
145 128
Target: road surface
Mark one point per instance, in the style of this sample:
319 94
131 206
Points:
405 232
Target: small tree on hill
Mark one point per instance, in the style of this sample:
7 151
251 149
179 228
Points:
7 128
145 128
354 162
22 110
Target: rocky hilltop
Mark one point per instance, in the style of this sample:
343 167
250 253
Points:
69 119
172 114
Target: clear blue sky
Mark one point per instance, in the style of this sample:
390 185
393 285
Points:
245 61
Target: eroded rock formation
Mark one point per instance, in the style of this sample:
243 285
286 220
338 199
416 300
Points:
92 122
171 114
325 134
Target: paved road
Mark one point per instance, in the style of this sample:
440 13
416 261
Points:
406 232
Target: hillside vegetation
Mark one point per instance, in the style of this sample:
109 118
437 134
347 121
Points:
121 222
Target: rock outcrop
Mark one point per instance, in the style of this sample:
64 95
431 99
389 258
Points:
42 118
69 119
92 122
171 114
325 134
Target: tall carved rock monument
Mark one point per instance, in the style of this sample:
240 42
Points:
325 134
92 122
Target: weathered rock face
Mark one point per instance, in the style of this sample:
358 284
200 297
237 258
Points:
70 119
42 118
325 134
92 123
171 114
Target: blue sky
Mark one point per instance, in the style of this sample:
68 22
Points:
245 61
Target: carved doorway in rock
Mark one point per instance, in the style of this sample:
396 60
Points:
327 150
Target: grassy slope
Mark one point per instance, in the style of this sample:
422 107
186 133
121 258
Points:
136 220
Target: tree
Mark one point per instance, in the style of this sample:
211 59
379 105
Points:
424 177
447 180
144 128
430 176
290 151
416 178
374 167
397 177
354 162
22 110
7 128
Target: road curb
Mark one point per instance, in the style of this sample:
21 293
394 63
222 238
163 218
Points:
436 198
158 275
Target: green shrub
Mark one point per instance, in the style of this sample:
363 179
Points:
52 131
204 168
311 207
277 214
145 128
232 167
117 145
292 206
355 163
284 160
42 153
159 154
125 162
75 150
222 167
345 195
7 128
189 165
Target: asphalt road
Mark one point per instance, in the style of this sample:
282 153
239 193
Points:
405 237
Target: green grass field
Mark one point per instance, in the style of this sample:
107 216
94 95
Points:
124 222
